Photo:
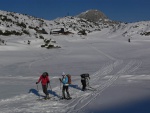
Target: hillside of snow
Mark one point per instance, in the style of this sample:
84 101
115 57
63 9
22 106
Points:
35 31
119 69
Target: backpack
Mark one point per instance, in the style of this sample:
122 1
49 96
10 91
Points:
69 78
84 75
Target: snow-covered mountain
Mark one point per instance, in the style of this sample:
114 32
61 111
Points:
19 25
93 15
125 29
29 25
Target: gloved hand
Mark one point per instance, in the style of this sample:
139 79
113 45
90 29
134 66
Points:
36 82
60 79
48 82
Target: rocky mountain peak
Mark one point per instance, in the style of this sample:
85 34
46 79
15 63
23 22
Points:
93 15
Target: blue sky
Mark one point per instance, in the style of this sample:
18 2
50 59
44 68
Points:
119 10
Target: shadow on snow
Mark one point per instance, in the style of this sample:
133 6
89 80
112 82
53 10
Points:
138 106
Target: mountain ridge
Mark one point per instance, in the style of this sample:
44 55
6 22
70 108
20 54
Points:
15 24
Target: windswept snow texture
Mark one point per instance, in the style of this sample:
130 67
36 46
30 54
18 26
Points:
119 71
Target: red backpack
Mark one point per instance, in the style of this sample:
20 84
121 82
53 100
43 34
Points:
69 78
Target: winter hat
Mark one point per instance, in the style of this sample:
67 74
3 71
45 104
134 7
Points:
63 74
44 74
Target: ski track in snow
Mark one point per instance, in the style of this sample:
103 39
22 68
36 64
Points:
131 66
100 80
101 52
80 99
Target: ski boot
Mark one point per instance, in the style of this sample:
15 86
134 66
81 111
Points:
47 97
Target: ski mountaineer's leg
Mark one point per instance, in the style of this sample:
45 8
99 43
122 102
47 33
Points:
84 85
67 91
45 91
63 92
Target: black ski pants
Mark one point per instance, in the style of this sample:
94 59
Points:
65 89
44 87
83 85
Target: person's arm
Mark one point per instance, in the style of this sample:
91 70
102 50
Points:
65 81
60 79
48 80
39 80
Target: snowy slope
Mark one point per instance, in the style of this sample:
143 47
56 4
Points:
22 25
120 75
28 28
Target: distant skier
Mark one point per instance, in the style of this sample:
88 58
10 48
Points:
129 40
44 81
64 80
84 80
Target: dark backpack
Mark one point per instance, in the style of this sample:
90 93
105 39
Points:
84 75
69 78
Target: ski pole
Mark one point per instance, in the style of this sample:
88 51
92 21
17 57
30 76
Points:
37 87
60 85
38 90
60 90
50 86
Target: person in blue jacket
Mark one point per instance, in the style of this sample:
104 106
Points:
65 87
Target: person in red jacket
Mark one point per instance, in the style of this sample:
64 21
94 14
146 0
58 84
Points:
44 81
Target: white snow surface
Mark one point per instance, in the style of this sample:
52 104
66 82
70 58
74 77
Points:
119 71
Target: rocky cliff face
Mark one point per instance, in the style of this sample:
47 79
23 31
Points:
93 15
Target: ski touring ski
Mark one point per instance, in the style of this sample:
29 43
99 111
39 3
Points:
91 88
53 99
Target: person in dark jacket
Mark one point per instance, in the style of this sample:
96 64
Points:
84 81
64 80
44 81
